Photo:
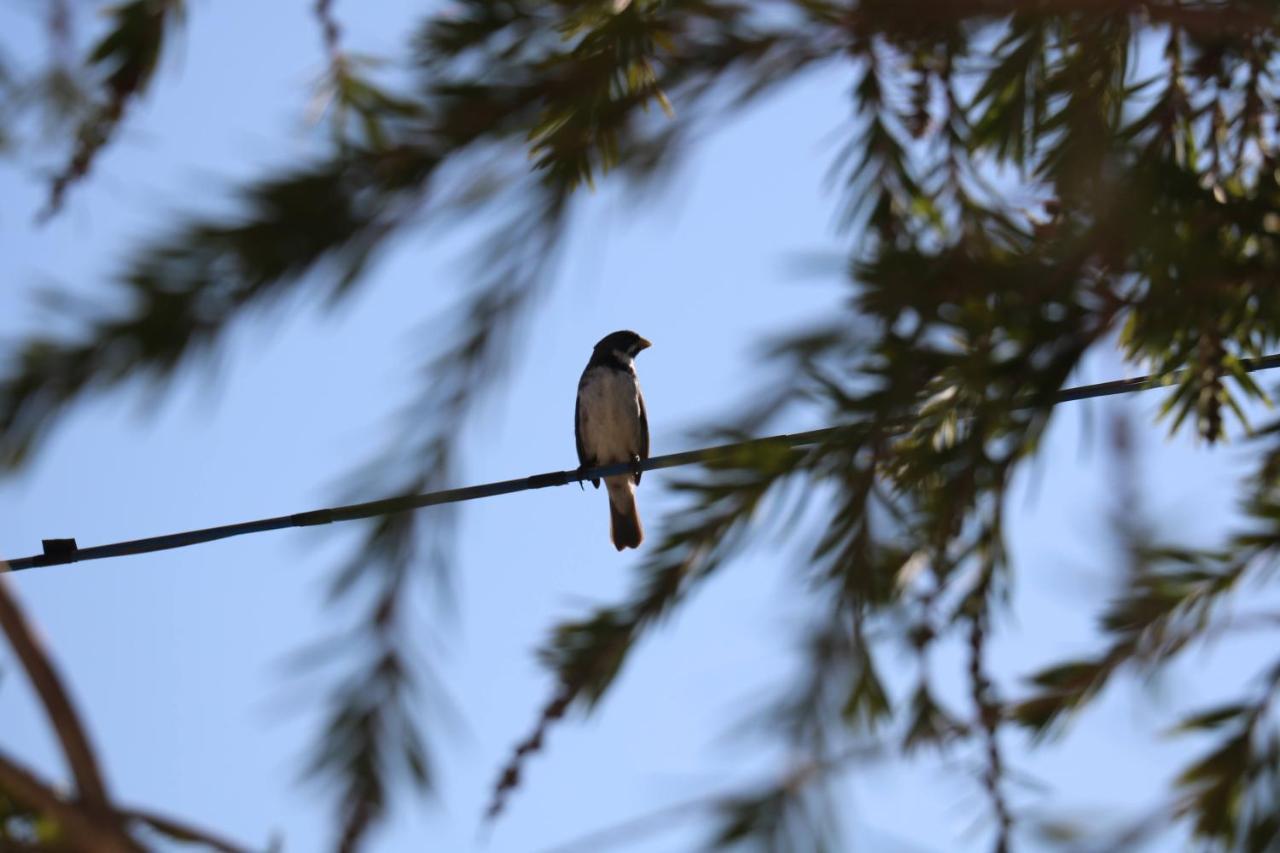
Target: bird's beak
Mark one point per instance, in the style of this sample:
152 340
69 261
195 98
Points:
643 344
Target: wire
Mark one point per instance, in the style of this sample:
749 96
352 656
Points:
61 551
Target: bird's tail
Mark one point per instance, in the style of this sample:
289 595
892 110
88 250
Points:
624 518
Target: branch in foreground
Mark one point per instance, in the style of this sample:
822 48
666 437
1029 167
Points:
127 57
86 831
91 821
57 704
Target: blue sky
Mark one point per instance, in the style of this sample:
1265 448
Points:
176 659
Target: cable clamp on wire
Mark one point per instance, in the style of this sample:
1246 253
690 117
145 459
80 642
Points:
59 551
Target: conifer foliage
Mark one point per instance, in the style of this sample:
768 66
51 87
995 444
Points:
1024 181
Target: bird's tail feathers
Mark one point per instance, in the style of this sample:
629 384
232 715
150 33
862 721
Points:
624 518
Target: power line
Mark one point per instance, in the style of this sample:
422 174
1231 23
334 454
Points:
60 551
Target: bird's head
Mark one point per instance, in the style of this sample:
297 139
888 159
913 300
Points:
625 345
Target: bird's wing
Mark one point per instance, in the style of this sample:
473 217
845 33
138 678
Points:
577 435
644 431
577 429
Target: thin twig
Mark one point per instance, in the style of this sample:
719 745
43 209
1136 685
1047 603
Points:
97 825
509 777
330 30
57 704
988 713
121 85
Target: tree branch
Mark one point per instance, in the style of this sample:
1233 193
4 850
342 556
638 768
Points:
62 716
91 833
88 833
94 824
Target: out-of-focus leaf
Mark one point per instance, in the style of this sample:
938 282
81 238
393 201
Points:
124 60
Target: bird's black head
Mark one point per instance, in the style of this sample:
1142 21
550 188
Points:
624 344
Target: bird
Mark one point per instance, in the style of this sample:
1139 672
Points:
611 425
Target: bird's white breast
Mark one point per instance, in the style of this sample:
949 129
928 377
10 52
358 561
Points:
609 417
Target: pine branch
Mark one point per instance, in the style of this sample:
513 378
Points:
966 315
366 745
587 655
987 706
183 292
126 58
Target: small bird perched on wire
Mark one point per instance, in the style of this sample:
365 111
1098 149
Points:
610 426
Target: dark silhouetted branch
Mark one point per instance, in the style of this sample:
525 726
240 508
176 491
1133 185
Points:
62 716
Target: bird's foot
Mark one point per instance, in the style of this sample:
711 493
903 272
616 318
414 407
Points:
580 471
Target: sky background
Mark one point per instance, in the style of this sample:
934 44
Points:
177 659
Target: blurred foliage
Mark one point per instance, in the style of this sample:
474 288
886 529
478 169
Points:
42 103
20 826
1023 182
119 67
